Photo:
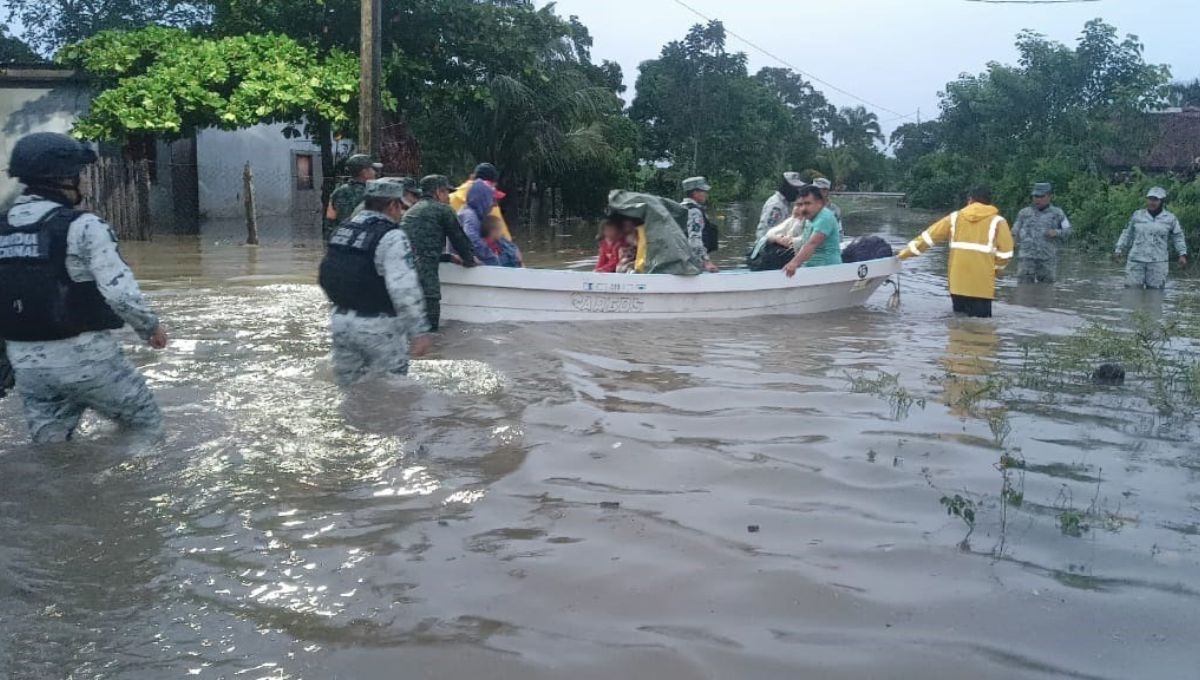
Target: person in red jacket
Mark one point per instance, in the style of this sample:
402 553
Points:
611 241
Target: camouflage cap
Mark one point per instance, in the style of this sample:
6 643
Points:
1157 192
410 184
1042 189
431 183
794 179
361 161
696 184
822 183
388 187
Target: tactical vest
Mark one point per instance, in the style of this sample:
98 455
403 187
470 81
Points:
38 299
709 233
348 274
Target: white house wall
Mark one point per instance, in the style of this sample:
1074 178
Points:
221 156
35 107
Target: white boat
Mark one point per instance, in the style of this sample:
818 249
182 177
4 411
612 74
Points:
499 294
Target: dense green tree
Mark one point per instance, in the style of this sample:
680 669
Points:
167 82
51 24
912 141
1053 116
14 51
702 113
811 114
468 80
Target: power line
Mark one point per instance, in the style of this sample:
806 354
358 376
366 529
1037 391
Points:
810 76
907 115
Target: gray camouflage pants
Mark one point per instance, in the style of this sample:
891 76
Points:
365 346
55 398
1146 274
1030 270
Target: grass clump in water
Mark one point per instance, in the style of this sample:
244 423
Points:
1163 365
886 386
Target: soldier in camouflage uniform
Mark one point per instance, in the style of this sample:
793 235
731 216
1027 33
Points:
345 198
779 205
700 234
64 291
412 194
1039 229
429 224
370 276
1149 235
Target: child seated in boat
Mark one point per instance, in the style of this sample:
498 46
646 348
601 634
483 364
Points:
611 240
627 254
506 252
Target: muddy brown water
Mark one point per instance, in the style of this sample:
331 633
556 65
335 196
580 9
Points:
700 499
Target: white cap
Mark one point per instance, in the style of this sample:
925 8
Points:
1157 192
793 178
822 183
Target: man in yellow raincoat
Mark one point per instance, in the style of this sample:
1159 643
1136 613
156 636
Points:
488 173
981 244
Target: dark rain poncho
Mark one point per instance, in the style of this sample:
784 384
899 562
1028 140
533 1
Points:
667 250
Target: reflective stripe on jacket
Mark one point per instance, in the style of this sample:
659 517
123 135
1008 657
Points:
981 244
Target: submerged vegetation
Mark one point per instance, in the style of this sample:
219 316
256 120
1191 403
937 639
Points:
1161 358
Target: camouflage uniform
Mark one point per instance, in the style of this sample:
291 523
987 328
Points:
1149 239
774 211
366 345
696 221
59 379
344 200
429 224
1037 254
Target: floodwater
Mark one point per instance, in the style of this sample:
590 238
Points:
703 499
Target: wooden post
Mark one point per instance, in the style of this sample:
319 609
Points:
251 219
370 69
145 226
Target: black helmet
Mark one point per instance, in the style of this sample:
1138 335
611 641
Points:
48 155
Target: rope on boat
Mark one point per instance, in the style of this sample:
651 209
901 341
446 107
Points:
894 301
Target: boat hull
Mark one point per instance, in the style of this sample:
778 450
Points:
498 294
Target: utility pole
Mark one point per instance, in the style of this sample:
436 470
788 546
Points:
371 66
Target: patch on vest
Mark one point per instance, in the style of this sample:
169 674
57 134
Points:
862 271
22 246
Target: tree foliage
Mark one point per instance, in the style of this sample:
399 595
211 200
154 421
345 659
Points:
165 81
1050 117
51 24
702 113
14 51
855 126
1185 94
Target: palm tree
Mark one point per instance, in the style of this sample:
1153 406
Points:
855 126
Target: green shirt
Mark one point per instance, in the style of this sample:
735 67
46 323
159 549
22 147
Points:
830 251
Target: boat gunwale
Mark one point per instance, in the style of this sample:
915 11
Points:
738 281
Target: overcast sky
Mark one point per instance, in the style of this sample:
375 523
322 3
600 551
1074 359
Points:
896 54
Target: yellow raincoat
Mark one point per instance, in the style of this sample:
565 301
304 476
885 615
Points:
981 244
